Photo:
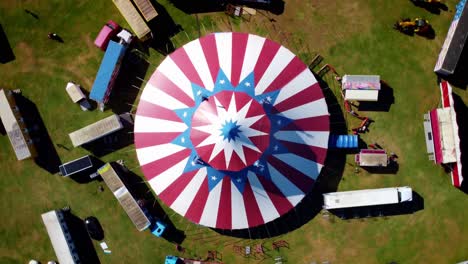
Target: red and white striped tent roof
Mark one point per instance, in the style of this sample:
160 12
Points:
232 130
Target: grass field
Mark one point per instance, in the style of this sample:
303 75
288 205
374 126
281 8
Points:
356 37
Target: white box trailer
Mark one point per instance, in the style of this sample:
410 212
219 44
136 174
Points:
96 130
361 87
367 197
134 19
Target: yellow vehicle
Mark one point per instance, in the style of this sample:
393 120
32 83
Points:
418 25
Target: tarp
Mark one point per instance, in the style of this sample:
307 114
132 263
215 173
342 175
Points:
104 78
232 130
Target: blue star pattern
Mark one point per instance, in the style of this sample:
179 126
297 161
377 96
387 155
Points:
231 131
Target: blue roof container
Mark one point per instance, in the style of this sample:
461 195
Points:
110 63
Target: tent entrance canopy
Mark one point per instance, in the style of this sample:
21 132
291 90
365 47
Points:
361 87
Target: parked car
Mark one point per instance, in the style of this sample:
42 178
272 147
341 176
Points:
94 228
107 32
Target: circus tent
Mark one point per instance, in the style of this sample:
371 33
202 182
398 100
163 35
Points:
232 130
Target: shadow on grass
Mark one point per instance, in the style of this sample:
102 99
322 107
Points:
31 13
2 129
47 156
460 77
413 206
114 141
127 84
83 243
140 191
274 6
462 112
91 103
386 99
392 168
6 53
429 33
163 28
201 6
327 181
433 7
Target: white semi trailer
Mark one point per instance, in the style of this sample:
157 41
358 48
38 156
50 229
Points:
368 197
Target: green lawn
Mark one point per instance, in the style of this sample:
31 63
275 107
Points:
354 36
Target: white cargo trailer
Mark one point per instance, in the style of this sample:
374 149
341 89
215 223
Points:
368 197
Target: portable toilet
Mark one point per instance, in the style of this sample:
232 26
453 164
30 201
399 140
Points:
158 228
171 260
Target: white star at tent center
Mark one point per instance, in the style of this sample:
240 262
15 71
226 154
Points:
182 139
238 180
247 84
214 178
185 114
222 81
276 147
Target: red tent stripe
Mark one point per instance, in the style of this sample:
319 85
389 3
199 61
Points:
161 82
303 182
151 110
182 60
147 139
294 68
154 168
239 43
198 137
254 216
313 153
310 94
197 206
208 45
170 194
280 202
316 123
224 219
267 54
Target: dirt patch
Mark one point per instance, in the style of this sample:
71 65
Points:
26 54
